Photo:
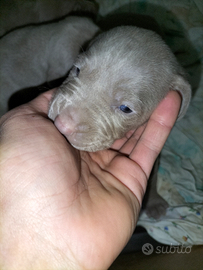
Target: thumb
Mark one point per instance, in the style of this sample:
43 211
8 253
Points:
41 103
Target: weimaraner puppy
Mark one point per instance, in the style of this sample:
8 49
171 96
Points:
33 55
114 87
18 13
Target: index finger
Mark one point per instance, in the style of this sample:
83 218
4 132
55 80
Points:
156 132
41 103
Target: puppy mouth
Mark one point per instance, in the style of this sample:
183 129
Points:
81 140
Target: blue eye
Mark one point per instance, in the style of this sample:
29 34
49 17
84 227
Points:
125 109
76 71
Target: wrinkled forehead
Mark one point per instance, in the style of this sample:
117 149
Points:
114 59
105 87
101 70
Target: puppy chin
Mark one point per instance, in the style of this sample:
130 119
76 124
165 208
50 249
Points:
89 147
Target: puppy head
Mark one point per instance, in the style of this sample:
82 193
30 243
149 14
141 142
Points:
115 86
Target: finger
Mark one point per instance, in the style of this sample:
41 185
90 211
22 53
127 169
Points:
41 103
104 157
120 142
157 130
38 106
132 141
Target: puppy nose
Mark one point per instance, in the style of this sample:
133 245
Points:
67 128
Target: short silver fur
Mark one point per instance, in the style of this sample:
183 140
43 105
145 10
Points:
18 13
124 66
33 55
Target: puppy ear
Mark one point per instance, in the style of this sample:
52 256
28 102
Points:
181 85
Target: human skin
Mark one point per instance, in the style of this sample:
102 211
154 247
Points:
67 209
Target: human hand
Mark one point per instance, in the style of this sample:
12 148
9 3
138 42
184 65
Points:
67 209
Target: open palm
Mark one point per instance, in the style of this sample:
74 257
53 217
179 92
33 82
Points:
68 209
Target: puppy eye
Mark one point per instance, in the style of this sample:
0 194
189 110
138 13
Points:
125 109
76 71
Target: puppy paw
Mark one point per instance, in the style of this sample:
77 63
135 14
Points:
156 207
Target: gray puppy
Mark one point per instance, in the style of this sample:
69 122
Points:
16 13
115 86
33 55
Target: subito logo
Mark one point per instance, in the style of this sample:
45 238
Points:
147 249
